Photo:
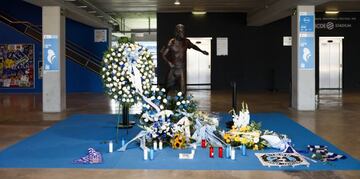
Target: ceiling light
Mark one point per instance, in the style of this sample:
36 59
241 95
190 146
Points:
177 2
82 6
198 12
331 12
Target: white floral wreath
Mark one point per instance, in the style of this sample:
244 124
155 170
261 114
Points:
127 70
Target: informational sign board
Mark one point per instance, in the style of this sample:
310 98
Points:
51 53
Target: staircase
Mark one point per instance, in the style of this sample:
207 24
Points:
73 51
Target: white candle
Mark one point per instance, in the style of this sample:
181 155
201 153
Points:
232 154
110 147
155 145
160 145
146 153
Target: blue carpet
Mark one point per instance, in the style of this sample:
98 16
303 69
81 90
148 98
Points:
59 145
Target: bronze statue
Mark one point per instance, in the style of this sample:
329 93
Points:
175 55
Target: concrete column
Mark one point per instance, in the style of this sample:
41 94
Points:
54 80
109 37
303 58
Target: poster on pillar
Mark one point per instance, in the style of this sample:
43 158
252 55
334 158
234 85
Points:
51 53
307 23
306 53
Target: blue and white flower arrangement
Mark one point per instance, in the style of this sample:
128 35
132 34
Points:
127 72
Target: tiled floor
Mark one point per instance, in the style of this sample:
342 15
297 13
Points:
337 120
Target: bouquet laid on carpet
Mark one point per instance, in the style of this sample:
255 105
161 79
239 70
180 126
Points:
175 123
245 132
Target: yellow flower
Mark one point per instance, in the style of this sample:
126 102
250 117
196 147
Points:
237 139
256 147
248 128
178 141
227 140
244 140
243 128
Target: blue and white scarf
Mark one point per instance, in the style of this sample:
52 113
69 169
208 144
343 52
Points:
322 150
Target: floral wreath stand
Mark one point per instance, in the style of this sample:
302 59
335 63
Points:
125 123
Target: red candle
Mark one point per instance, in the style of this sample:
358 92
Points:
211 152
203 143
220 152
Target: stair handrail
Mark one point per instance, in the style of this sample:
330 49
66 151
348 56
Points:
87 53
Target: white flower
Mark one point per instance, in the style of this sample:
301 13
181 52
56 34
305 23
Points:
161 107
256 140
178 103
164 100
159 97
179 93
183 102
115 96
163 89
108 55
187 101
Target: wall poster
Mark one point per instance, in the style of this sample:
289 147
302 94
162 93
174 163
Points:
17 65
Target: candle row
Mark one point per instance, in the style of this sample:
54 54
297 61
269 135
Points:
156 144
148 152
229 152
111 145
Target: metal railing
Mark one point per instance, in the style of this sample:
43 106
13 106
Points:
73 51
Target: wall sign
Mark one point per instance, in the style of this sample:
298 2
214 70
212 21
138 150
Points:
287 41
100 35
330 23
222 46
51 53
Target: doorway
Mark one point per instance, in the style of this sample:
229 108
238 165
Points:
330 71
198 66
330 63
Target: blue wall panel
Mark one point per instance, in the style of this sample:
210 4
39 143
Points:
79 79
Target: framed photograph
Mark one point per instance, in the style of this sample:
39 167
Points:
17 66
